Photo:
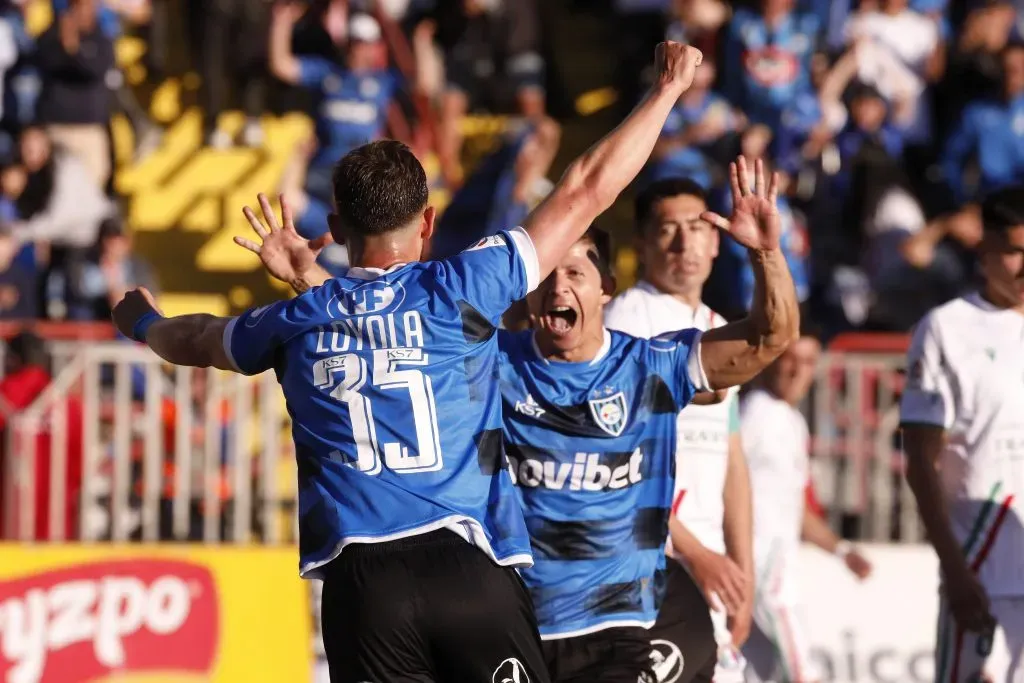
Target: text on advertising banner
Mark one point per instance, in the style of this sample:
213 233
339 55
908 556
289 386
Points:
880 630
152 614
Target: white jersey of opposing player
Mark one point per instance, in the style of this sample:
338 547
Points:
775 443
966 374
702 441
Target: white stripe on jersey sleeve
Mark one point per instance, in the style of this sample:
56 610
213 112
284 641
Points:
694 366
528 253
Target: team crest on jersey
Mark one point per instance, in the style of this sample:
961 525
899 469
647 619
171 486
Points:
610 413
492 241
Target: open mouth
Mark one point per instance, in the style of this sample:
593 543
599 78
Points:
560 319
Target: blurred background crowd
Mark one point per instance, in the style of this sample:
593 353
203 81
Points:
887 119
131 132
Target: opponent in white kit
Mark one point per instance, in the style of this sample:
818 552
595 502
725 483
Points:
776 442
962 415
711 530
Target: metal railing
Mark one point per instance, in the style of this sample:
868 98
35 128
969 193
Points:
165 454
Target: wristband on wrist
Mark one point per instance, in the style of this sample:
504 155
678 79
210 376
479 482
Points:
143 324
843 548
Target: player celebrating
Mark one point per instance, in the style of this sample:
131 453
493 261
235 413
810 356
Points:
589 426
962 415
712 532
776 443
406 511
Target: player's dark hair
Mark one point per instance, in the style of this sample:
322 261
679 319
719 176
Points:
1003 209
379 187
666 188
601 255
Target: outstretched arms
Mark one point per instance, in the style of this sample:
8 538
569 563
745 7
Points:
191 340
592 182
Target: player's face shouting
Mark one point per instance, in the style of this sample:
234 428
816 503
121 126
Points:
678 247
567 308
1002 262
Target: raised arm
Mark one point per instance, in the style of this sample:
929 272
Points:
593 181
735 353
190 340
283 62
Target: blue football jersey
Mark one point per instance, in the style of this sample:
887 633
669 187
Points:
391 382
591 447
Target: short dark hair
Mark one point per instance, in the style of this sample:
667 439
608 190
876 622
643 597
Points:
664 189
1003 209
602 253
379 187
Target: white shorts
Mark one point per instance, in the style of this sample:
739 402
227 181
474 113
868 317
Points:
965 657
778 650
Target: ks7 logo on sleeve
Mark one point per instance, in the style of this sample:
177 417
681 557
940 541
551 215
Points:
92 620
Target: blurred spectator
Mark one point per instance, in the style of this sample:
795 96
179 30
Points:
503 189
357 99
900 52
693 131
111 14
767 58
60 206
8 57
992 133
19 286
869 126
976 60
109 272
234 50
908 264
26 376
75 58
639 25
492 60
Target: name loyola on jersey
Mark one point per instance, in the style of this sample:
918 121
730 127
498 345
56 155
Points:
366 321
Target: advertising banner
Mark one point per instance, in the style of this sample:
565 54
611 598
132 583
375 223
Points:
152 614
881 630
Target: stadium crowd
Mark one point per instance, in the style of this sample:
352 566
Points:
887 120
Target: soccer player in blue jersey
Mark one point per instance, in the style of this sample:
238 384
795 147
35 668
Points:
590 427
406 509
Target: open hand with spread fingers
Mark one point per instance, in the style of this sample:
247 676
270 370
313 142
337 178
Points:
285 253
755 221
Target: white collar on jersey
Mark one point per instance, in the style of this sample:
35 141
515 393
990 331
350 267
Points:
601 353
371 273
702 310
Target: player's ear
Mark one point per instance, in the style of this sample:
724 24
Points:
337 229
608 287
427 227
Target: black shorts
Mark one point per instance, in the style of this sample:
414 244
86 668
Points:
427 608
614 655
683 639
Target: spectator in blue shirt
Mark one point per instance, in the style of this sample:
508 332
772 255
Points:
501 191
355 102
768 58
699 120
992 132
869 122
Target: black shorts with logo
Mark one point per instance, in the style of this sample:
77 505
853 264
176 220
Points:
682 641
614 655
427 608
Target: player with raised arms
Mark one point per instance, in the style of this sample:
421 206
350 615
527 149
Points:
405 508
590 431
